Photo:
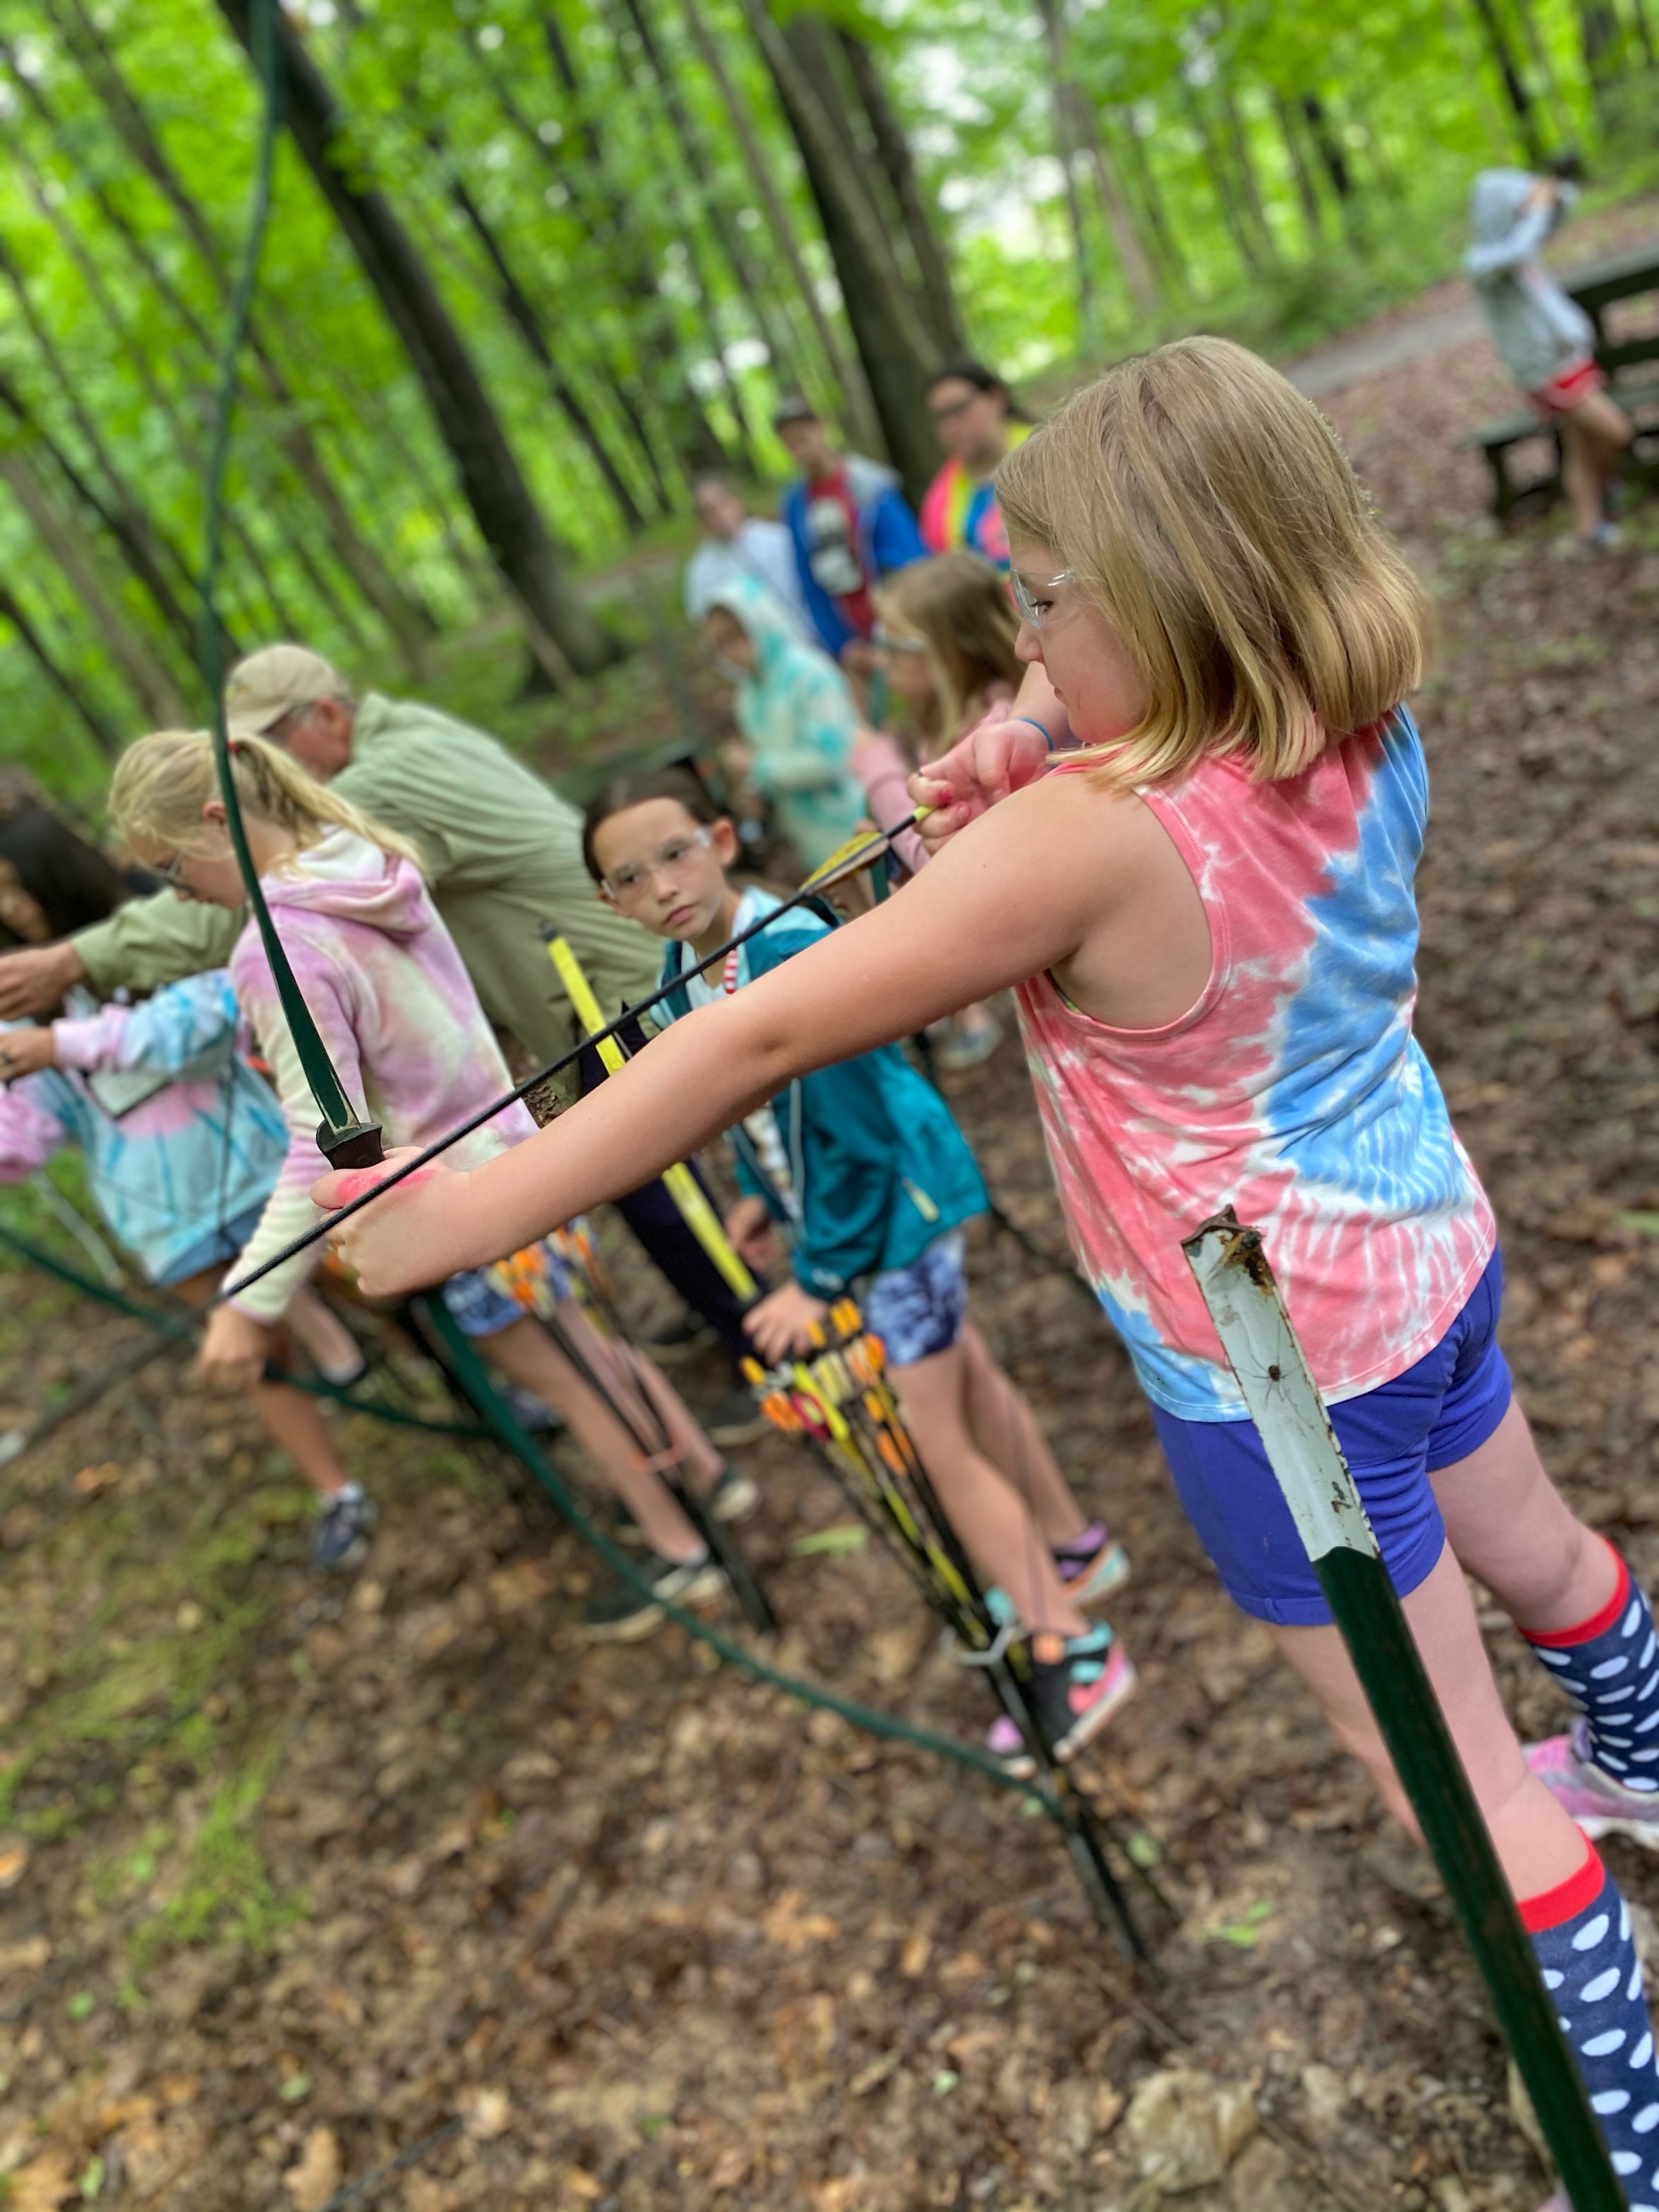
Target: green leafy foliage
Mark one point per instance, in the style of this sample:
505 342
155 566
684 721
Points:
573 177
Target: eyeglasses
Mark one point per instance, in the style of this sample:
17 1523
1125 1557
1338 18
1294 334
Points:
668 859
952 408
173 875
885 641
1033 608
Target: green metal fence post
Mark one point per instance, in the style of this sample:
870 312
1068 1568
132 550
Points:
1237 1286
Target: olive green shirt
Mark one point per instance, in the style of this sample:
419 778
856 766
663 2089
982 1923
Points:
501 852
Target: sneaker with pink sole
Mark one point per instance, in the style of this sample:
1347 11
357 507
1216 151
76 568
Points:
1074 1694
1093 1566
1601 1805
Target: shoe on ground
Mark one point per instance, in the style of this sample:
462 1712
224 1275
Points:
734 1419
1072 1696
343 1373
619 1613
1092 1576
680 1339
733 1497
340 1539
969 1044
1601 1805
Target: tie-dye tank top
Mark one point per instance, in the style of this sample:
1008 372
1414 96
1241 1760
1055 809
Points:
1294 1089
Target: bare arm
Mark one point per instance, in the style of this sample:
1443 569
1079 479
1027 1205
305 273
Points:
1019 892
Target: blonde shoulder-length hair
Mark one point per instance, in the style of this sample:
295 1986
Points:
957 606
1208 510
163 782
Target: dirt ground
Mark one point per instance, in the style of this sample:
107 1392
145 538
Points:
301 1880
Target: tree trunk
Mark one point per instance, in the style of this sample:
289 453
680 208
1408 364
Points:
495 486
1216 163
409 620
127 645
1332 155
1599 42
57 676
116 514
694 441
1515 89
897 353
184 431
893 151
853 391
599 219
1243 163
1138 272
1158 227
1644 32
692 238
1067 150
749 276
1307 192
521 313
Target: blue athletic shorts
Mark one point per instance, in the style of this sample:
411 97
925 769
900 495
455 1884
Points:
1394 1438
217 1250
486 1300
919 1310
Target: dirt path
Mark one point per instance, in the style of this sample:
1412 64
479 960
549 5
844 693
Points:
1335 368
295 1878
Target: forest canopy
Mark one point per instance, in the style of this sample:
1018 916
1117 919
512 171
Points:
532 266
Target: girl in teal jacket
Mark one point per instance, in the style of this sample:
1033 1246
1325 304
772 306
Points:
861 1167
797 715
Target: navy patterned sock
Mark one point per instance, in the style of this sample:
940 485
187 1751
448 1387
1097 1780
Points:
1609 1667
1581 1933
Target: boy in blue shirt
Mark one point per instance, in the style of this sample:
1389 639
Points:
862 1167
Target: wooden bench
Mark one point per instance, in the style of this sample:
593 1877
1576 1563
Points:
1595 286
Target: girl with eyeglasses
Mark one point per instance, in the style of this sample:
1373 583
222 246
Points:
1207 911
946 633
860 1169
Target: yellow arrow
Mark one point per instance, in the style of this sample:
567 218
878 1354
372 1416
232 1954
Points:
678 1181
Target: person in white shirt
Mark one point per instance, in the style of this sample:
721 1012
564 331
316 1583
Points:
740 544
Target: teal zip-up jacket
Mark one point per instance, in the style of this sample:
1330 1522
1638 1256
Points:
879 1169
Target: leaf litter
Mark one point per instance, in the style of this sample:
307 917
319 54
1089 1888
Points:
352 1871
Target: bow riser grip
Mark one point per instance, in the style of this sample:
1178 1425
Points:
358 1147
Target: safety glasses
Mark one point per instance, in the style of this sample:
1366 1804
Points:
668 859
1032 601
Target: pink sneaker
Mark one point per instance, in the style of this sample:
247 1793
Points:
1092 1576
1075 1696
1601 1805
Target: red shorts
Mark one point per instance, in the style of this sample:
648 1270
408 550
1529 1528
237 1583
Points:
1571 389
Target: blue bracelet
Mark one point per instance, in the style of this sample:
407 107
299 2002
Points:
1031 724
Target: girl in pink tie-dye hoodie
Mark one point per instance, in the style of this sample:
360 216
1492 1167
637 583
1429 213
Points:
402 1026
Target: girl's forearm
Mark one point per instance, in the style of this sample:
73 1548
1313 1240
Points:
694 1082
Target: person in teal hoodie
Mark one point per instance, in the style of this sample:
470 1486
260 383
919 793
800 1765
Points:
862 1169
797 716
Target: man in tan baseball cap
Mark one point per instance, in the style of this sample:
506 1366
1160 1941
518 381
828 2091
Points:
502 855
265 688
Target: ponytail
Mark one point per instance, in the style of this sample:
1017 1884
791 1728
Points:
163 782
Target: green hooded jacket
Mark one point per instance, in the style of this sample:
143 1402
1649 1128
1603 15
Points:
502 855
